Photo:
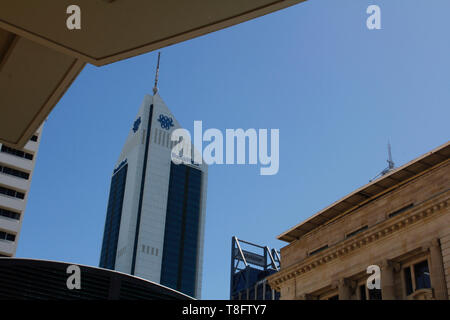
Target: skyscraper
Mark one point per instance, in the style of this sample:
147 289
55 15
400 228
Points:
155 218
16 169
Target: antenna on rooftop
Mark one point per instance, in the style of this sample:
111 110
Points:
390 162
155 88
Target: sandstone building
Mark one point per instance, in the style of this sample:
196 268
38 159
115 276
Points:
399 222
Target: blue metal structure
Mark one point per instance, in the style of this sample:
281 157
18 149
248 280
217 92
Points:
249 269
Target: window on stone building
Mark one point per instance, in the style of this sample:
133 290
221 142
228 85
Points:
416 277
354 233
402 209
408 281
318 250
362 292
375 294
422 275
368 294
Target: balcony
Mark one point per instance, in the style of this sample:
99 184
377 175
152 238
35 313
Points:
7 247
18 162
9 224
13 203
14 182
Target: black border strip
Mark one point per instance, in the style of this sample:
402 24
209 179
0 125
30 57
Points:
183 229
141 196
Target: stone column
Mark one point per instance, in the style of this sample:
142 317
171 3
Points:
344 289
387 280
437 275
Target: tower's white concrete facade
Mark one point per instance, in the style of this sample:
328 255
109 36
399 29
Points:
144 191
16 170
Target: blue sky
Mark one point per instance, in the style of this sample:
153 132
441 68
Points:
336 91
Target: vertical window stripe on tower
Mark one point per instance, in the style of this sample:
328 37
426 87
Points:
179 262
113 217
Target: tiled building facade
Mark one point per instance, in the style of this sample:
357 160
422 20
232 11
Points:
16 171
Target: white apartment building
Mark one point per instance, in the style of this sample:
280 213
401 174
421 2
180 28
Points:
16 169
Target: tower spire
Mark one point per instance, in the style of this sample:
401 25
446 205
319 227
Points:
155 88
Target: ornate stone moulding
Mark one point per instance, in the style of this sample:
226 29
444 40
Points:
378 232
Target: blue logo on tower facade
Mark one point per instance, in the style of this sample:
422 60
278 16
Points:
165 121
136 124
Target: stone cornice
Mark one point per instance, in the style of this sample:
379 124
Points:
374 233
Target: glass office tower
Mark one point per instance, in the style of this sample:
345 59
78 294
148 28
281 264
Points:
155 217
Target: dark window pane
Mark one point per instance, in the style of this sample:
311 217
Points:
375 294
351 234
318 250
7 236
362 292
397 212
17 153
422 275
11 193
408 281
10 237
9 214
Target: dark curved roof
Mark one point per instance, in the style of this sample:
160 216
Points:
31 279
369 192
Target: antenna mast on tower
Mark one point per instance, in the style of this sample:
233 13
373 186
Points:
155 88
